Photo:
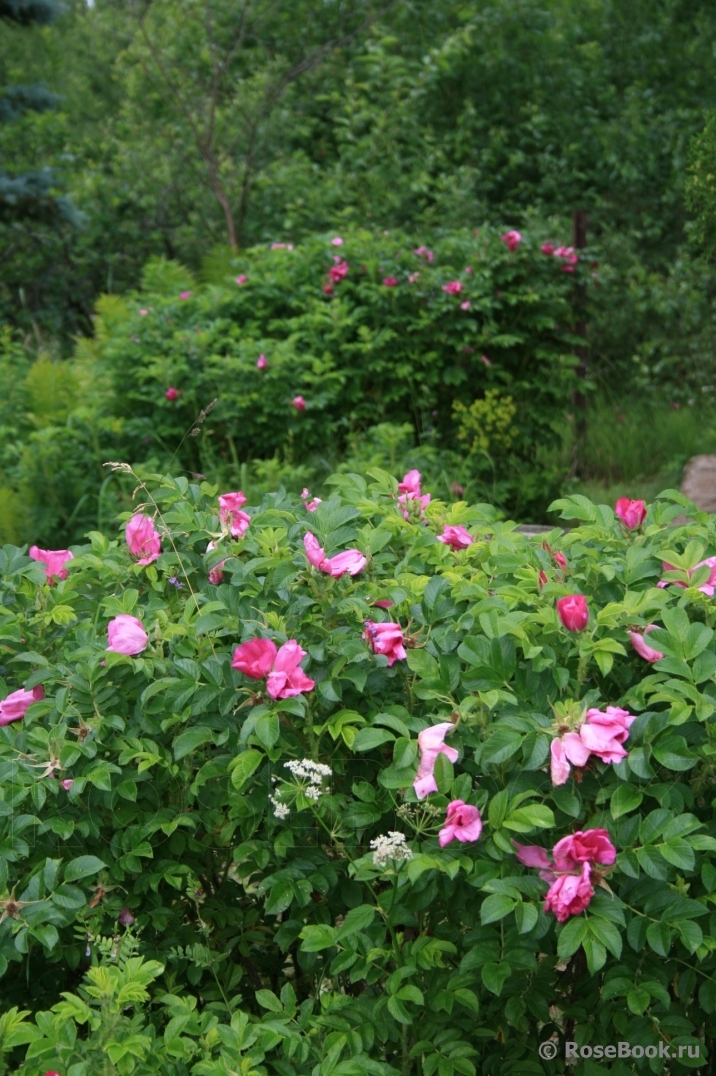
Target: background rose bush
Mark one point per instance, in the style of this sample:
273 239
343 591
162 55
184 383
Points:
161 910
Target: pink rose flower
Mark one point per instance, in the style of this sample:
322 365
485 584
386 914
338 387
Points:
569 256
384 603
385 638
231 516
573 612
143 540
423 252
261 363
409 490
67 784
706 588
456 537
638 641
533 856
287 678
54 561
453 287
126 635
465 305
591 846
570 894
412 277
431 743
311 504
144 313
547 248
171 393
241 279
350 562
299 403
604 733
390 281
337 241
254 658
338 272
15 705
511 239
631 513
462 823
185 295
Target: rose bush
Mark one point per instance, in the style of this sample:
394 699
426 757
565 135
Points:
310 827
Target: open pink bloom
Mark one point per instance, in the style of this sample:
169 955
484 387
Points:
431 743
254 658
409 490
143 540
453 287
462 823
171 393
337 272
287 678
126 635
337 241
386 638
423 252
241 279
299 403
570 894
638 641
604 733
216 574
547 248
588 846
231 516
54 561
706 588
67 784
511 239
185 295
573 612
465 305
390 281
15 705
261 362
350 562
631 513
456 537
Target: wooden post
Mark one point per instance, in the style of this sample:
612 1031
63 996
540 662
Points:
579 242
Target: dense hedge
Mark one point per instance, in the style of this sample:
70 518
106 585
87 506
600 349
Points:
303 849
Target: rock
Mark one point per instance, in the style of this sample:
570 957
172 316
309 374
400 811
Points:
699 482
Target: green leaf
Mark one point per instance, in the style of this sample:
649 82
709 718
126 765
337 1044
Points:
268 1000
243 766
495 975
531 816
398 1011
625 798
658 936
317 937
368 739
267 729
495 907
424 664
606 933
502 744
674 754
83 867
678 852
190 740
595 953
690 934
638 1001
357 919
571 936
526 915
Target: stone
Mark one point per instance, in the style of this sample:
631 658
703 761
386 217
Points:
699 482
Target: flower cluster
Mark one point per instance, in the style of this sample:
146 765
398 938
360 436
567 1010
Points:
573 870
313 773
602 734
411 496
390 848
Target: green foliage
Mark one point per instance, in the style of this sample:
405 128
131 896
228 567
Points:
223 936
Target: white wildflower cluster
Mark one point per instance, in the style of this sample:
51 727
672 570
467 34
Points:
280 810
392 847
312 772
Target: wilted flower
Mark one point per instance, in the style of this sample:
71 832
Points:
125 917
431 743
638 641
387 639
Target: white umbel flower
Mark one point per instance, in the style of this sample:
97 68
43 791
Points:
390 848
280 810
